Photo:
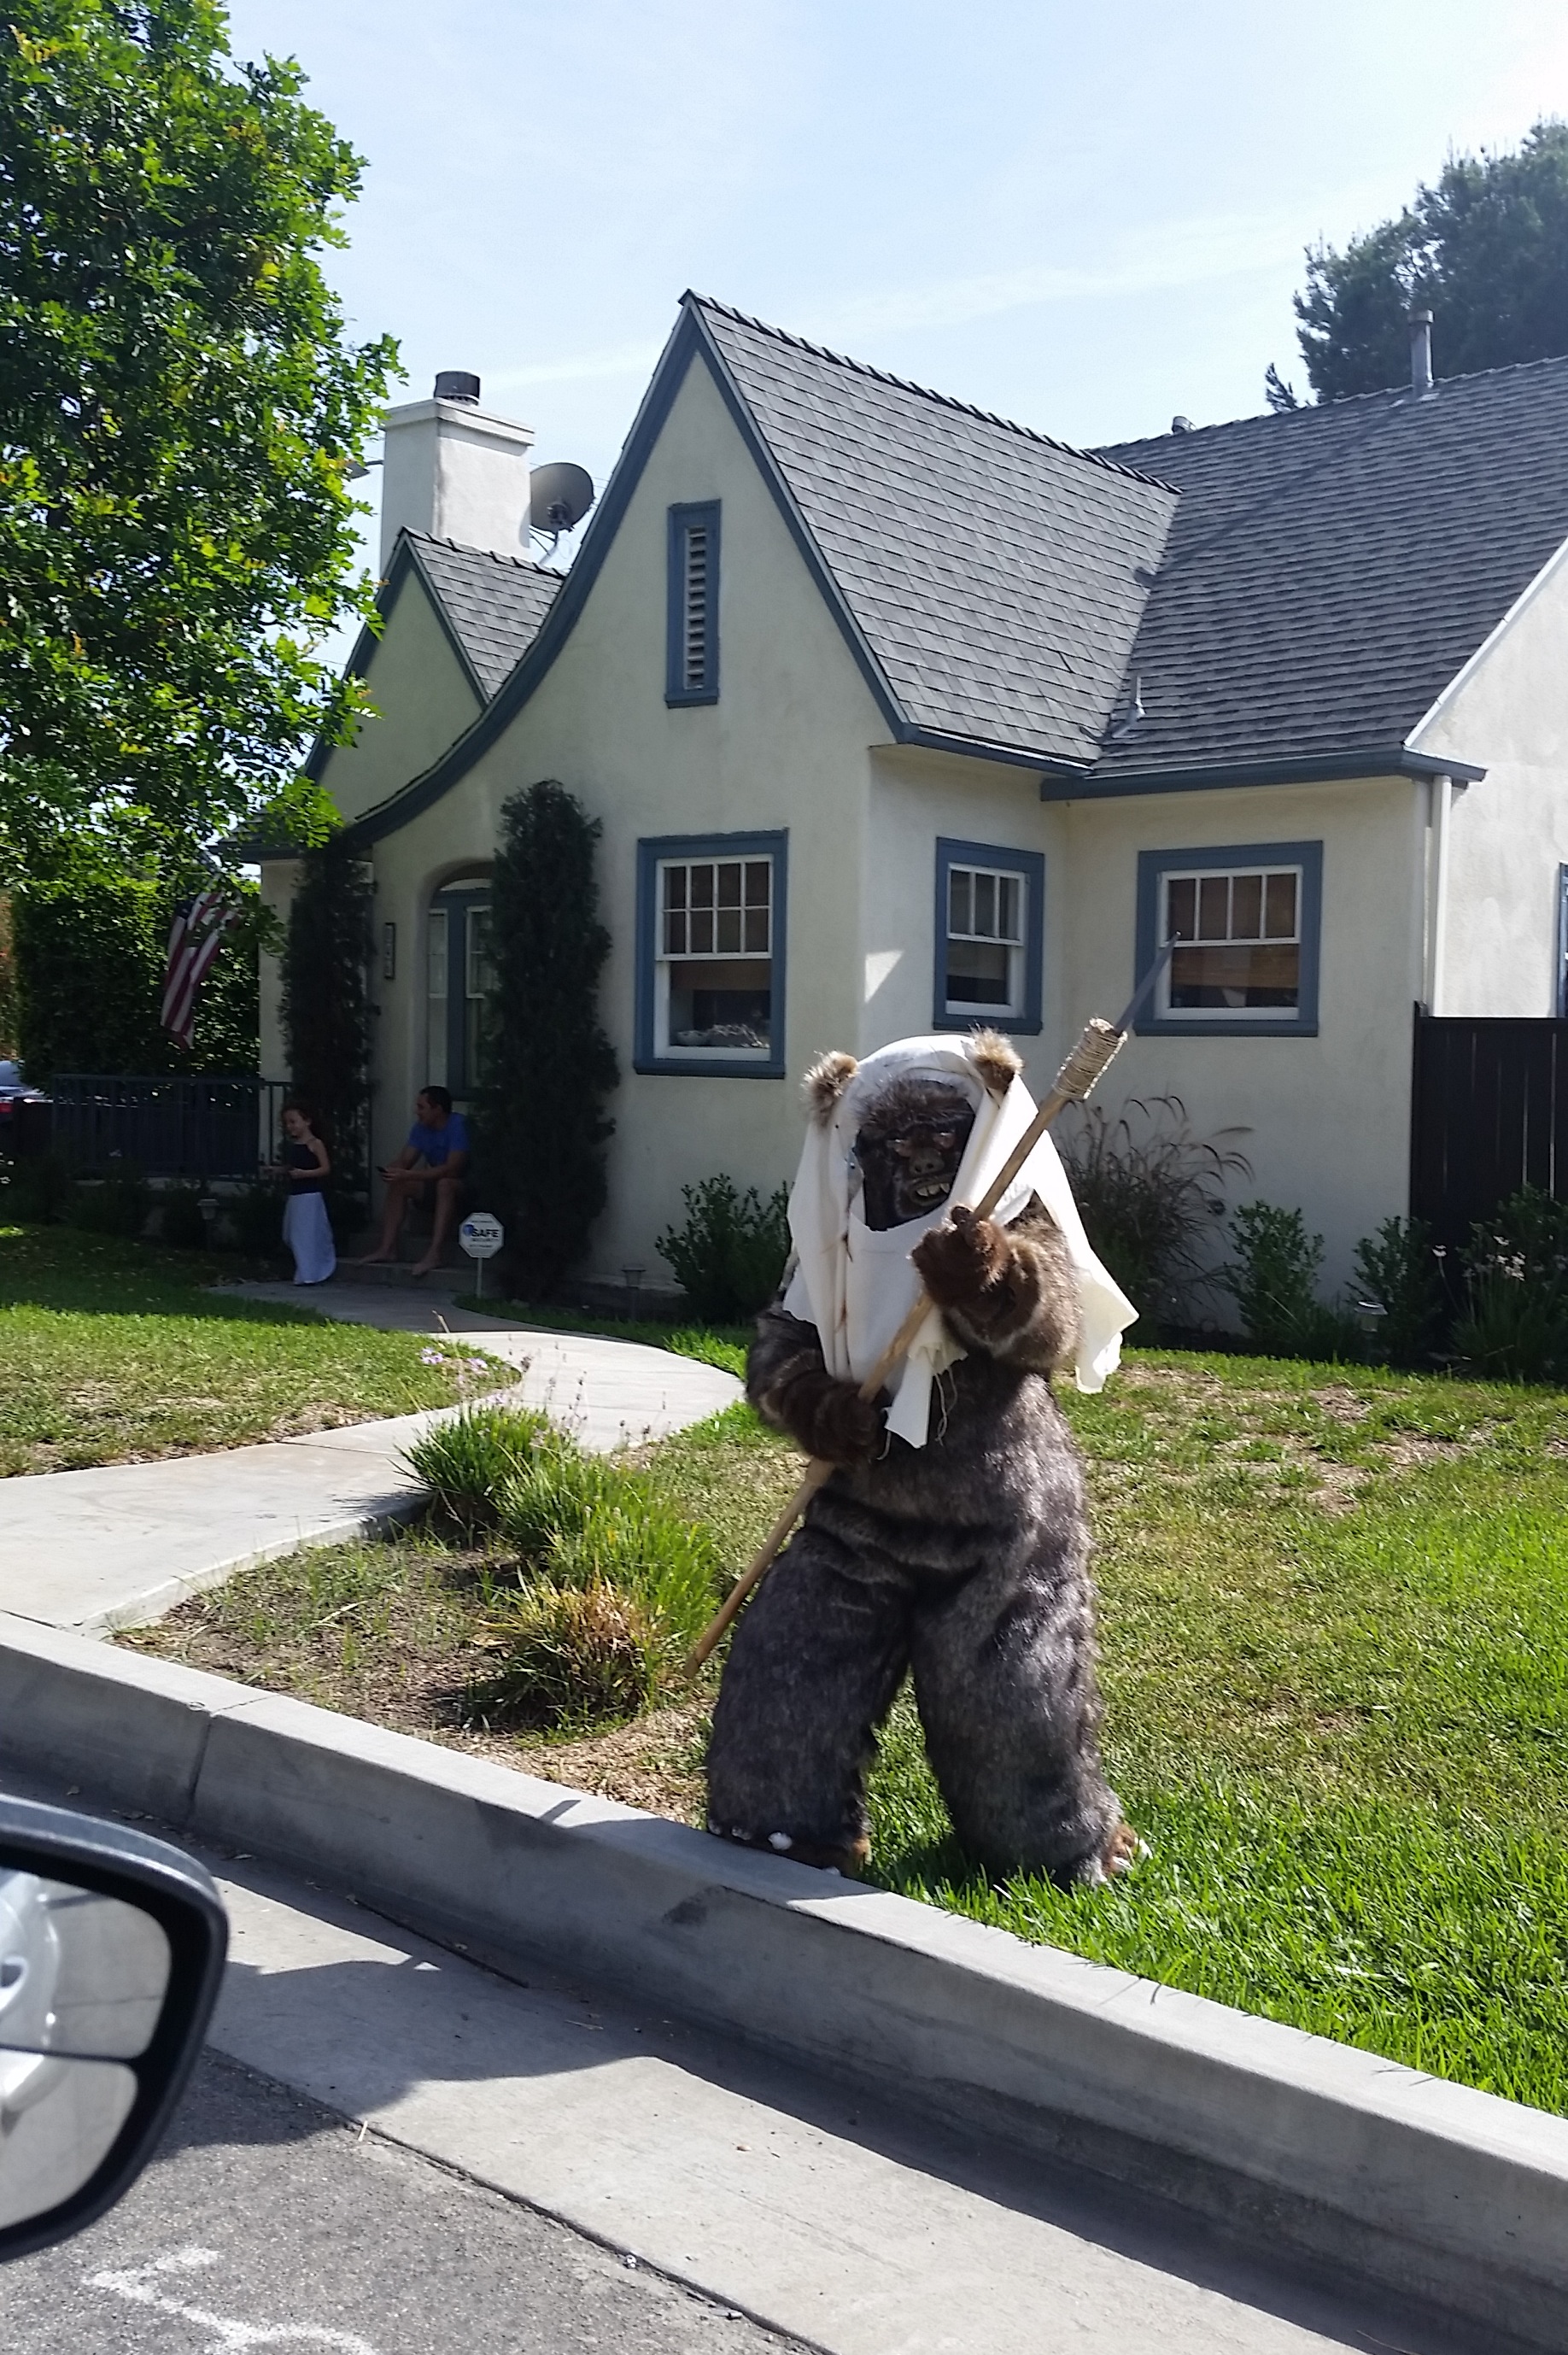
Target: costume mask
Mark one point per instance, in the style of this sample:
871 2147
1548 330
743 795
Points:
908 1151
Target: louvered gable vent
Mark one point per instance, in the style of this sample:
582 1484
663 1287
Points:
692 668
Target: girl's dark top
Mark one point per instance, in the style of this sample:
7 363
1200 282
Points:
302 1157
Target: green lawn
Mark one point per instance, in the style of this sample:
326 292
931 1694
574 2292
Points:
111 1352
1334 1627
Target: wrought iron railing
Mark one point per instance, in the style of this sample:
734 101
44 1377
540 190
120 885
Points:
178 1127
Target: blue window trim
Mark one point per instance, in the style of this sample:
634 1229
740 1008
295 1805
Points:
650 850
681 520
1031 864
1153 863
1560 994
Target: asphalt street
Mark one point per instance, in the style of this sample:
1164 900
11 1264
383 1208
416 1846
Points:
268 2221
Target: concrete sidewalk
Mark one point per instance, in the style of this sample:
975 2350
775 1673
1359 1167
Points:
121 1544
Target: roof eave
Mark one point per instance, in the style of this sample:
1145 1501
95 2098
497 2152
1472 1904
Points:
1047 766
1304 769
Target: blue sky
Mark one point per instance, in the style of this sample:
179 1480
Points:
1086 218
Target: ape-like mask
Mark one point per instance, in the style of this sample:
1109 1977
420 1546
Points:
909 1148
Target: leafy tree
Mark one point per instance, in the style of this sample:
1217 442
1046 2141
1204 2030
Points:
325 1003
549 1065
1486 250
88 956
178 413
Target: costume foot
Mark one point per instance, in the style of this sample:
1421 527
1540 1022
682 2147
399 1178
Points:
847 1859
1119 1855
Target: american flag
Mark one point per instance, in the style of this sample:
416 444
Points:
196 936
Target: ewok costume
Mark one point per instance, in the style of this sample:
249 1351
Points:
951 1541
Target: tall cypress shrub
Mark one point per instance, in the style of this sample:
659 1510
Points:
549 1065
325 1004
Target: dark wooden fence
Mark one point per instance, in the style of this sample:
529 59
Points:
1489 1114
172 1127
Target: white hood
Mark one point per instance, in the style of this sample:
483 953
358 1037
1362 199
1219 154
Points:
857 1285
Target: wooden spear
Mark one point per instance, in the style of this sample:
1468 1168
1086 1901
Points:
1100 1042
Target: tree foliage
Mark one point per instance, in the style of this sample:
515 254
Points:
325 1003
1486 250
179 411
88 961
547 1065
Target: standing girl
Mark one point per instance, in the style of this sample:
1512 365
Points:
306 1166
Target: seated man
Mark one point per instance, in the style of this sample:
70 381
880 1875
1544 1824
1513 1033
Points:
436 1155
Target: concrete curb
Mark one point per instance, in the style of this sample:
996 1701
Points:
1451 2197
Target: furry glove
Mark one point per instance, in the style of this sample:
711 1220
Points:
826 1417
962 1261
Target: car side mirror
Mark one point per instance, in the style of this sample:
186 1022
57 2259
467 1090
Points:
111 1948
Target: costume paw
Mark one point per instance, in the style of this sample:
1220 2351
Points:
962 1259
846 1857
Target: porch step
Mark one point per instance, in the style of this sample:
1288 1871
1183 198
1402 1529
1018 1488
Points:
400 1273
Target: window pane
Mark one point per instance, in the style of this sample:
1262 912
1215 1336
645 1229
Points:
728 931
757 930
722 1007
675 887
1214 908
1180 909
702 886
1247 908
759 881
985 906
438 953
978 973
1235 977
729 884
702 931
675 932
959 899
1007 891
1281 920
478 959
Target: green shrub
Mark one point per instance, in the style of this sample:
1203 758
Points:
470 1462
643 1546
180 1223
568 1658
1150 1191
325 1006
1515 1323
256 1216
111 1206
1397 1268
88 959
730 1256
1273 1281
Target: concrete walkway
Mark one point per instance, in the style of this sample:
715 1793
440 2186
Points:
122 1544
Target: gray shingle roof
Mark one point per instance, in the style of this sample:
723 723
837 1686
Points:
993 573
495 603
1330 570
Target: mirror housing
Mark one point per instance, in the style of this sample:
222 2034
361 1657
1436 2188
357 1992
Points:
56 1845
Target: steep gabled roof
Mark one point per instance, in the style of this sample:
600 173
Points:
997 577
493 605
1330 570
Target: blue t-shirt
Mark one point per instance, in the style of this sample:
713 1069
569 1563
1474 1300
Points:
435 1144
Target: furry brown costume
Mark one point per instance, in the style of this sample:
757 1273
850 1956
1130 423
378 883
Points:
966 1561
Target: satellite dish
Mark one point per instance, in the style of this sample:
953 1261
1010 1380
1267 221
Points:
559 497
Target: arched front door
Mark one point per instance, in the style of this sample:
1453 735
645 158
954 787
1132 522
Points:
459 985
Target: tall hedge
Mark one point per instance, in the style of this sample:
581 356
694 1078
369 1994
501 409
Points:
88 963
325 1003
541 1129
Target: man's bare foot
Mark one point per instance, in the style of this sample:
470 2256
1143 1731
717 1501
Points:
422 1267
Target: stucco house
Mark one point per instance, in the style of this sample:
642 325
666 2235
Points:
899 716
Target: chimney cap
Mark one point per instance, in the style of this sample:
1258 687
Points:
456 384
1182 425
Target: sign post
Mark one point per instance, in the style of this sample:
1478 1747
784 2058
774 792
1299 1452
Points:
481 1236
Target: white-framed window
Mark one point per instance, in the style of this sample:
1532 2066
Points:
989 929
987 914
1239 940
715 966
711 935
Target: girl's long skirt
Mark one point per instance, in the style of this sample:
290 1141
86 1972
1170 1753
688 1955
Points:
309 1236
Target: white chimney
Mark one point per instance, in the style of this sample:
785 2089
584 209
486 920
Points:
1421 352
456 471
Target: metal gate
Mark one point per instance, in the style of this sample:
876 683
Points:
1489 1114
